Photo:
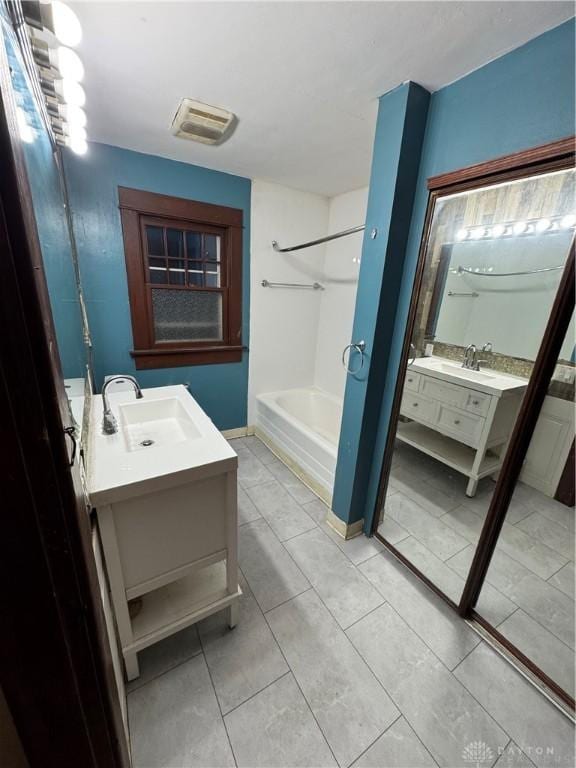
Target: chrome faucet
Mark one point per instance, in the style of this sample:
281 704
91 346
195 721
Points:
109 423
469 360
485 348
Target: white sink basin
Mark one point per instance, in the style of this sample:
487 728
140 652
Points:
163 440
491 382
150 424
456 370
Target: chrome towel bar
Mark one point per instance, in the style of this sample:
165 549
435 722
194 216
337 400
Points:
314 286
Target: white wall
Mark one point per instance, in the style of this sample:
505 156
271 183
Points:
341 269
283 322
297 336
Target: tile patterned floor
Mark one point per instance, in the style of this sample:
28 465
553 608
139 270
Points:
340 656
529 591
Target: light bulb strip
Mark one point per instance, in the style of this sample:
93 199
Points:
49 42
529 227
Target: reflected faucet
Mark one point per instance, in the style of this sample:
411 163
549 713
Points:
485 348
469 360
109 423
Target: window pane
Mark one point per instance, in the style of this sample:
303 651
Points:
158 275
196 273
175 243
177 276
194 245
155 240
212 275
212 247
187 315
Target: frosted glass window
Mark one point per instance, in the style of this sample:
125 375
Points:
187 315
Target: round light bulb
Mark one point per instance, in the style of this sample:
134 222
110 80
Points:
542 225
77 133
75 116
462 234
477 233
67 27
73 93
568 221
498 230
519 227
78 146
70 64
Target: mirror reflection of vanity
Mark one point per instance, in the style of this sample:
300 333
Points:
493 267
478 509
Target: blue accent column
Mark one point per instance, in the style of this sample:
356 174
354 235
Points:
397 148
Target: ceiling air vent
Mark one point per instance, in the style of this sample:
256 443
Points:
201 122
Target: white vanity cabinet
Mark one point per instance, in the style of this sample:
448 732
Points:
164 490
462 418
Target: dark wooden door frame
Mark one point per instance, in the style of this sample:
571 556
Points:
554 156
55 663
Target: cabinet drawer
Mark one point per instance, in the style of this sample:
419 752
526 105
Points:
464 427
418 408
412 381
477 402
444 392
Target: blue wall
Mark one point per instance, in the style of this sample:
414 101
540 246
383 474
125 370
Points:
93 182
51 223
520 100
397 146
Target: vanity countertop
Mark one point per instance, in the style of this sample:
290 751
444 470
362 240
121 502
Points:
163 439
486 380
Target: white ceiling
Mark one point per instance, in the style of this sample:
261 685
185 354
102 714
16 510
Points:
302 77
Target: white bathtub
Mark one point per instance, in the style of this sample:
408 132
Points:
305 425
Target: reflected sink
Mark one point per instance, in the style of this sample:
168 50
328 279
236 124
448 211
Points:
149 424
465 373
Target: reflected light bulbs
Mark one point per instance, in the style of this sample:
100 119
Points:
25 131
67 26
73 93
542 225
477 233
78 145
69 64
568 221
77 133
75 116
462 234
498 230
519 227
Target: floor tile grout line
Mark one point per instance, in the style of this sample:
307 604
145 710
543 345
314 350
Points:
450 672
400 716
219 708
288 599
387 600
164 672
261 690
299 687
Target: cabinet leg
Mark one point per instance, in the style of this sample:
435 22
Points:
471 488
132 666
233 614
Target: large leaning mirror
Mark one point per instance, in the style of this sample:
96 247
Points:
491 263
48 199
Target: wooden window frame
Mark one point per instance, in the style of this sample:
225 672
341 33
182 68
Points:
138 208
